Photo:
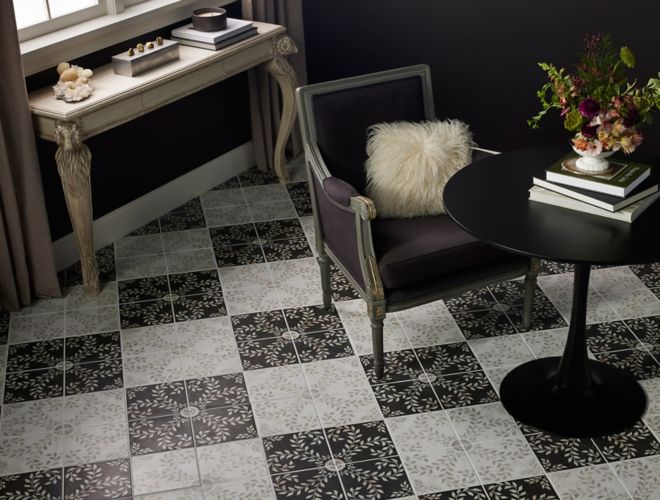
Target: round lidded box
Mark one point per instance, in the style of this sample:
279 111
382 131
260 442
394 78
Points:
209 19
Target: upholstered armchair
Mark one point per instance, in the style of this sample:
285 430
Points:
394 264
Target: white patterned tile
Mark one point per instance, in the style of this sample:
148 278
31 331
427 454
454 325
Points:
496 375
33 328
258 488
30 452
354 317
41 306
190 239
213 361
223 198
483 422
285 416
640 476
95 444
135 246
193 493
298 282
430 324
232 461
190 260
275 383
652 388
165 471
152 368
503 459
248 276
506 350
136 341
267 193
251 300
546 343
140 267
203 333
92 320
78 298
227 216
273 210
625 293
587 483
32 417
94 408
413 432
307 224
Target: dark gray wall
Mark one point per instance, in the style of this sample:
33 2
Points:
482 53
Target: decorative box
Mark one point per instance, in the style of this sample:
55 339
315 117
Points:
135 62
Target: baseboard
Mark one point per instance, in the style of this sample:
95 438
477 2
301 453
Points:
158 202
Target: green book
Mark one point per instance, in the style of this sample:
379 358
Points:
618 180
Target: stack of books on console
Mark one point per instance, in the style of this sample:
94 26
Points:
236 30
622 192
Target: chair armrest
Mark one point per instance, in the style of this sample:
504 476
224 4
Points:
364 207
339 191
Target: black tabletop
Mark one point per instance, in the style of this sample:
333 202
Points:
489 199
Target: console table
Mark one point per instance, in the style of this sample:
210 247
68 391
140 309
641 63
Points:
571 396
118 99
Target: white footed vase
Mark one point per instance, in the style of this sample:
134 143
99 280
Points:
590 163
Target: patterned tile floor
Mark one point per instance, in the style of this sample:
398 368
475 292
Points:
206 369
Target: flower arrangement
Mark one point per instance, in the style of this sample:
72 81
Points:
597 101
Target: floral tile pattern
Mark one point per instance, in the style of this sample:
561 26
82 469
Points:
207 368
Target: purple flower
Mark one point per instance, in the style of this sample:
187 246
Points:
631 118
589 107
589 131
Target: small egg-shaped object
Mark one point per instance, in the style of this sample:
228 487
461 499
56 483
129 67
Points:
159 40
150 45
63 66
69 75
140 47
131 52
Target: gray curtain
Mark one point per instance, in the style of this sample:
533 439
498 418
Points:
264 93
27 267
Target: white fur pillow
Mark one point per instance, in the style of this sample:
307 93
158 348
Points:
410 163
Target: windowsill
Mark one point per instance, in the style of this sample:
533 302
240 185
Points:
48 50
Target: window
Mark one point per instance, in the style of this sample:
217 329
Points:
31 12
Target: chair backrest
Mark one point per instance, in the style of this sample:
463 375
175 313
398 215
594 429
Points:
335 116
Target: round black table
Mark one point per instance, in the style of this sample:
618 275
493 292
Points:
571 396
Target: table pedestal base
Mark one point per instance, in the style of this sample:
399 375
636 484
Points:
613 402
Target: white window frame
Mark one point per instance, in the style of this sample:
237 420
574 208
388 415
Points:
74 35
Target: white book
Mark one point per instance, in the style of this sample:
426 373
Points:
626 214
234 27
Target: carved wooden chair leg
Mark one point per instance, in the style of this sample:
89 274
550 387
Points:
530 287
377 338
324 264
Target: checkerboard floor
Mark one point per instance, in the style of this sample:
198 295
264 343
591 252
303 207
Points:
206 369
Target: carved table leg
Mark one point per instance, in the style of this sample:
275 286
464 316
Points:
286 78
74 161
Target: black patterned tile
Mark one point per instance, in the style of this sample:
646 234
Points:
482 324
544 316
218 425
297 451
285 229
447 358
95 376
308 484
157 400
35 355
612 336
342 289
399 366
322 345
214 392
649 274
139 289
35 384
303 206
238 255
358 442
474 300
286 249
375 479
180 221
635 442
312 319
154 435
193 205
105 263
511 293
152 227
298 190
529 488
646 330
37 485
237 234
149 313
656 292
267 353
550 267
254 177
464 389
208 305
472 493
230 183
93 347
638 363
4 327
405 398
98 481
260 325
195 283
557 453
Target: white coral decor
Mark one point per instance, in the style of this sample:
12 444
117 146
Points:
73 84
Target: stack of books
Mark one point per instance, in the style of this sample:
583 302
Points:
622 192
236 30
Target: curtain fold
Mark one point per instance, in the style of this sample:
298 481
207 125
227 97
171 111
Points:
264 93
27 266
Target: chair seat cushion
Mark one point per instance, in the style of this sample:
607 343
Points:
418 249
